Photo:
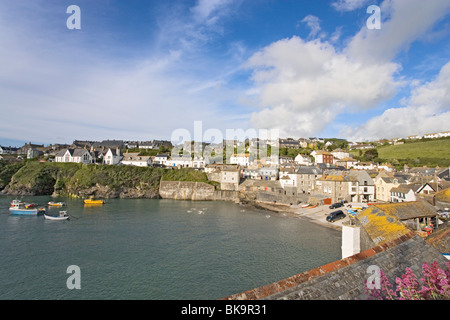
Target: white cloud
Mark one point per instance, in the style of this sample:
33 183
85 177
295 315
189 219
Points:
403 23
59 89
426 111
313 23
208 11
349 5
304 85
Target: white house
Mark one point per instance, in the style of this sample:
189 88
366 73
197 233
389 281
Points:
303 160
241 159
287 181
431 135
364 166
200 162
161 159
113 157
444 134
268 173
386 167
425 189
404 193
347 163
362 186
251 173
8 150
321 156
74 155
135 159
179 161
340 154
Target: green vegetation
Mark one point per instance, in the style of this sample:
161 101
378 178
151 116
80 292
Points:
187 174
45 178
7 170
431 152
416 153
42 177
115 177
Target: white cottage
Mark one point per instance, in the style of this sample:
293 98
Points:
74 155
135 159
303 160
113 157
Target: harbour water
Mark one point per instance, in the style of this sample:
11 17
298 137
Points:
155 250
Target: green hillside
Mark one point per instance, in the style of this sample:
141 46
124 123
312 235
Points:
430 153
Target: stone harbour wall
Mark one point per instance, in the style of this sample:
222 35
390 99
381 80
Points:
184 190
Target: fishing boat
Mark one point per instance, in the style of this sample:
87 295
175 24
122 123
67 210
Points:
19 207
56 204
62 216
92 201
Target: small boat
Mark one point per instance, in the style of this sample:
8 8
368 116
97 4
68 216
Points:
314 206
305 205
92 201
19 207
56 204
62 216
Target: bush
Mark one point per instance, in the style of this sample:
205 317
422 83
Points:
435 285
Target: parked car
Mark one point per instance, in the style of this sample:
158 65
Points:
336 205
335 216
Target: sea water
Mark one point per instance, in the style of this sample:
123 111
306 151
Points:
154 249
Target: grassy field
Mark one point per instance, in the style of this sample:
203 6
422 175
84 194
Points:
430 153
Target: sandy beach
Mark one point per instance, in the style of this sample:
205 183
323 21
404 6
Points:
317 215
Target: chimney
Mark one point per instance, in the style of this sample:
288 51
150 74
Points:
351 239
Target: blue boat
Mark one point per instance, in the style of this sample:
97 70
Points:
19 207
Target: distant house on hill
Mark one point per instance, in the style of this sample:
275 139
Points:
24 149
347 163
8 150
322 157
303 160
112 156
108 144
74 155
135 159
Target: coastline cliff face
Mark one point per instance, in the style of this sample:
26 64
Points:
76 180
103 181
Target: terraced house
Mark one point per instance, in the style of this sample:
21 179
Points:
352 186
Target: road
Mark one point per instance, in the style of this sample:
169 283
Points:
319 214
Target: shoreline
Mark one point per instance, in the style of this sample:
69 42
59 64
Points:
316 215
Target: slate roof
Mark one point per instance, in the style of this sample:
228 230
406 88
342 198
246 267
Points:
407 210
380 224
344 279
443 195
440 239
405 188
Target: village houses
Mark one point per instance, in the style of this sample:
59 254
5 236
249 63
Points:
74 155
322 156
113 156
135 159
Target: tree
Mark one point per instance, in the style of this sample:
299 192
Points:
370 154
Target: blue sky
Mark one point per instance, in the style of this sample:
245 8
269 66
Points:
139 70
